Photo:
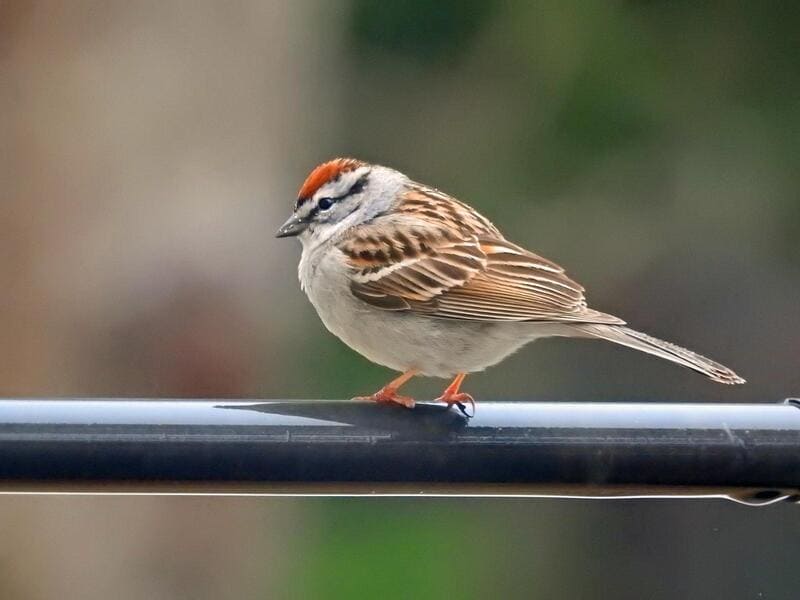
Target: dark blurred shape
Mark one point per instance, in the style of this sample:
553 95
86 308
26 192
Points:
418 29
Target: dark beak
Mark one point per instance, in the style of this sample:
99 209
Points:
294 226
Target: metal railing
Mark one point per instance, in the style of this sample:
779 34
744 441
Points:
749 452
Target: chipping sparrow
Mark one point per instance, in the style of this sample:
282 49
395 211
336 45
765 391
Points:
419 282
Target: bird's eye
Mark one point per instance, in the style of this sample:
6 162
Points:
325 203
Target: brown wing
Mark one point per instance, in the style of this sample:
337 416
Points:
518 285
453 263
403 266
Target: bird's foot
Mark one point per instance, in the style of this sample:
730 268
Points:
460 399
388 395
452 396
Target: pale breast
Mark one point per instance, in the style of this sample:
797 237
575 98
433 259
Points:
401 340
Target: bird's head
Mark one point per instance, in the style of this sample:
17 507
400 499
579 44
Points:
338 194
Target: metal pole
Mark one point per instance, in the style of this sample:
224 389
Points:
749 451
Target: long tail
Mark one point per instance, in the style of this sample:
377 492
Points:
646 343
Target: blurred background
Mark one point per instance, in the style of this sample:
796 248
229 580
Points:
150 150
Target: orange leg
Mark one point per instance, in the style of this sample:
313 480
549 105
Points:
388 393
451 395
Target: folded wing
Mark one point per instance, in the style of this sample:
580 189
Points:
422 265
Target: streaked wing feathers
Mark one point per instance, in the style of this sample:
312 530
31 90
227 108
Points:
418 261
402 268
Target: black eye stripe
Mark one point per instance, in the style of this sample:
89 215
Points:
326 202
358 186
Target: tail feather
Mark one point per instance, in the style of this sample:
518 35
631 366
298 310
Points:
667 350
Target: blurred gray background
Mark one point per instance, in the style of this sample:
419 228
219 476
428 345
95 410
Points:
150 150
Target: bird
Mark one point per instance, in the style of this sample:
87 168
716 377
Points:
420 282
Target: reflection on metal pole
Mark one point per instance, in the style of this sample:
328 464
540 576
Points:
749 452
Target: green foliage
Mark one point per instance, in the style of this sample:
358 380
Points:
418 29
391 549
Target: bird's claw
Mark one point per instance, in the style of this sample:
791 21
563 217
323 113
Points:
459 401
387 396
